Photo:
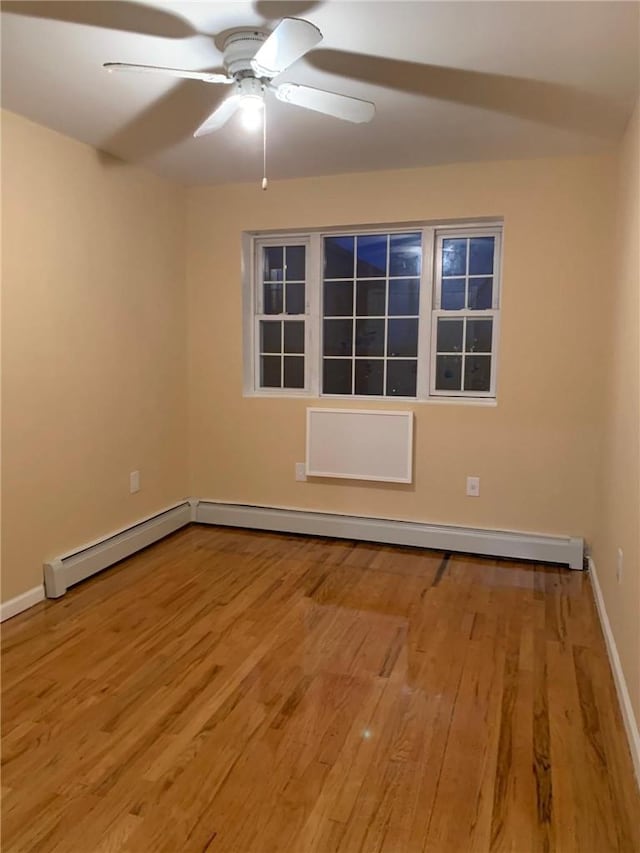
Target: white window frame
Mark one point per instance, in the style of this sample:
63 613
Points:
364 232
493 313
429 309
258 315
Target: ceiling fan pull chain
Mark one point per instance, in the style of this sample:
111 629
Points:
265 183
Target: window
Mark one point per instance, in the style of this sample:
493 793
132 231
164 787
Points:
408 312
371 291
280 319
465 314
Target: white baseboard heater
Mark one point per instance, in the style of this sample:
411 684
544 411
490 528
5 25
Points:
566 550
62 572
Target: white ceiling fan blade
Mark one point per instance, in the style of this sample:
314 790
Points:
221 116
290 40
205 76
340 106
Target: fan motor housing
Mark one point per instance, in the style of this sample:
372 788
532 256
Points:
239 49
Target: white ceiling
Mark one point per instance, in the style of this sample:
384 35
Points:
454 81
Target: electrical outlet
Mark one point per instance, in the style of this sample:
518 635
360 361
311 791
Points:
473 487
134 482
301 472
619 565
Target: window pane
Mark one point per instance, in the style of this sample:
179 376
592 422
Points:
480 293
338 337
273 263
272 298
295 256
369 376
449 335
404 296
270 371
478 336
402 337
336 376
371 298
369 337
448 372
338 257
454 257
294 337
481 256
295 298
372 256
338 299
270 336
293 371
477 373
401 378
452 297
406 254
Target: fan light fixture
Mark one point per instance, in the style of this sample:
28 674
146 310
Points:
251 107
251 103
252 59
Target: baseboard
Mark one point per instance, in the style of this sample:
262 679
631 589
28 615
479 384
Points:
62 572
630 722
16 605
496 543
68 569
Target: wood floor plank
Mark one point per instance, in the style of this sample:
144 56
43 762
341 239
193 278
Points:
234 691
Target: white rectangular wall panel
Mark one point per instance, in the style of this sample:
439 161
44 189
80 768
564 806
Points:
360 444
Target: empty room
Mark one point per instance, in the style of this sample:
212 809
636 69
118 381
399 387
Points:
320 335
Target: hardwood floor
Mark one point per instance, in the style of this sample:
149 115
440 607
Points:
228 690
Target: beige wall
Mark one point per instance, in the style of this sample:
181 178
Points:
99 335
96 349
619 488
535 452
94 345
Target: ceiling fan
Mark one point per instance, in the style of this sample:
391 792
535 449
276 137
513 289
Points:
252 59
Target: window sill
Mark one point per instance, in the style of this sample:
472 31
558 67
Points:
489 402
